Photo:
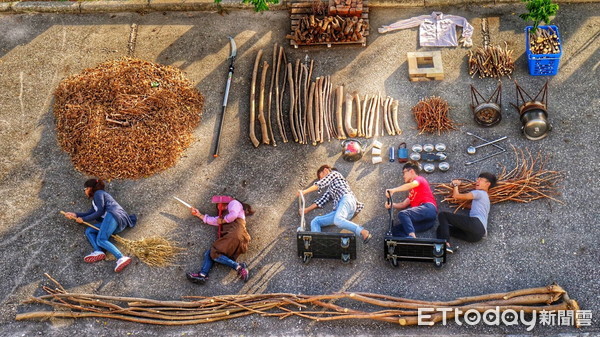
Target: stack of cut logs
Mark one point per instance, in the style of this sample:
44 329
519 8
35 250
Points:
329 29
316 110
346 7
544 41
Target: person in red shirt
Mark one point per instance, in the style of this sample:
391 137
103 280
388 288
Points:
419 210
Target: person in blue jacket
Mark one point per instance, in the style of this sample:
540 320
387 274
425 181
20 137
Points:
112 218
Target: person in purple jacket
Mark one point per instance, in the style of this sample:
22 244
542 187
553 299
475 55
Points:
112 218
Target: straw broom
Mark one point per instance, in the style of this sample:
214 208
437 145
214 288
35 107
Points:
154 251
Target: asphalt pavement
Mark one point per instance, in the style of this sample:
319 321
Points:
529 245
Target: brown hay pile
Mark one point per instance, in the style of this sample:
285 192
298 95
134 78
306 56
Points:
126 118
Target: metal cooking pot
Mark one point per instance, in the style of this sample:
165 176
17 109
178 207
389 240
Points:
534 120
487 114
353 149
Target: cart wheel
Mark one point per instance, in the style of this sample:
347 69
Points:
438 250
394 262
305 259
438 263
346 258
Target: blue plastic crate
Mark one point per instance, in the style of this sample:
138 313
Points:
542 64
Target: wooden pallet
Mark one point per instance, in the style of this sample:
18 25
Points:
418 69
302 8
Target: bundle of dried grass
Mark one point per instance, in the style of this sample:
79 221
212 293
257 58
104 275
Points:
431 115
199 310
526 182
126 118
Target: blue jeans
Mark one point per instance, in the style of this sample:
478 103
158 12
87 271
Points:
99 239
208 262
415 220
339 217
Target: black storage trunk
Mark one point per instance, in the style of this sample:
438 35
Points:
326 246
417 250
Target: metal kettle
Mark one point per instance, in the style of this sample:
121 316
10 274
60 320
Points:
353 149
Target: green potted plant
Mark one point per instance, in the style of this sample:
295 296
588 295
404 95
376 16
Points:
542 43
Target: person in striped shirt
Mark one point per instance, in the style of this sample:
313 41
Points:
345 205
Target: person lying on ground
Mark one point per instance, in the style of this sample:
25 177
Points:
345 205
112 218
419 209
472 227
233 239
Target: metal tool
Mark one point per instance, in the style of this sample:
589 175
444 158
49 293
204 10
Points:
229 76
485 140
473 149
486 157
183 202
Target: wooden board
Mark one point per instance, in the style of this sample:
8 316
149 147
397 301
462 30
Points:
416 70
300 9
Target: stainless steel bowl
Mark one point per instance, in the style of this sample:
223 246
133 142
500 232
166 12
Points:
429 167
417 148
442 156
444 166
415 156
428 147
440 147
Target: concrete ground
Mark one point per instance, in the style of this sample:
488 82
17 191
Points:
529 245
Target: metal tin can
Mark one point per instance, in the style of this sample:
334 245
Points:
392 154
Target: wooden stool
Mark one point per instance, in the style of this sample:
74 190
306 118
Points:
425 66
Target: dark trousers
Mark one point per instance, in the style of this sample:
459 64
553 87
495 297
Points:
415 220
462 227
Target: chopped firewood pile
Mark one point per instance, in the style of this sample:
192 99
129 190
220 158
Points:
316 110
432 116
544 41
491 61
329 29
321 308
126 118
526 182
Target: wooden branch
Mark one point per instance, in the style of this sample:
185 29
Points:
283 62
290 73
394 106
270 97
310 114
261 105
278 107
359 113
339 99
386 117
350 131
255 141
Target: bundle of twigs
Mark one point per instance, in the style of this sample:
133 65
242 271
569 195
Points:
526 182
154 251
199 309
491 61
431 115
126 118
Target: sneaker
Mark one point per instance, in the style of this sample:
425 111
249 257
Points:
122 263
243 272
451 249
95 257
196 278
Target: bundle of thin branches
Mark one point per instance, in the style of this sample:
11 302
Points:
126 118
491 61
526 182
431 115
197 309
154 251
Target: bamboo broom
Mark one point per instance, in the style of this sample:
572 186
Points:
154 251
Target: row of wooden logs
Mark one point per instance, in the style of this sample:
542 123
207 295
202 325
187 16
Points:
316 110
329 29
